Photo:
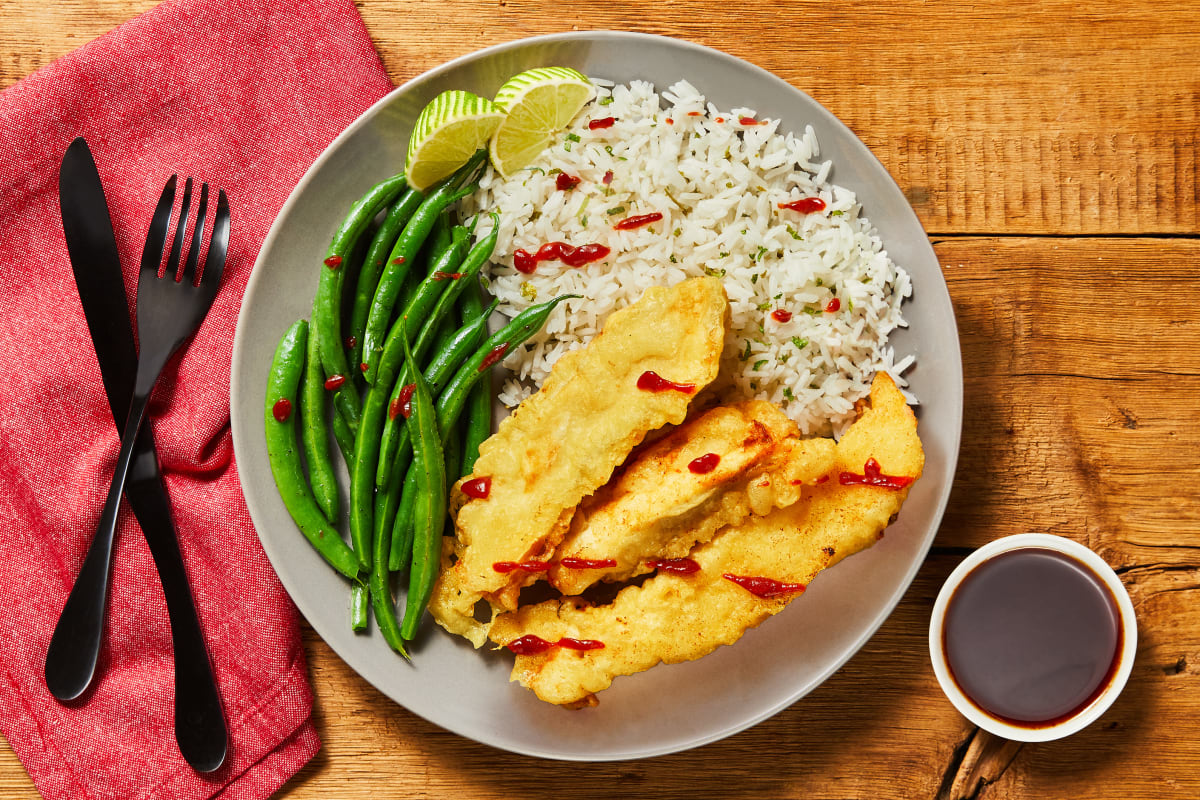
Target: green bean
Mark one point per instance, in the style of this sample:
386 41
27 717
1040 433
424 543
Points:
447 360
453 454
398 501
327 306
387 504
454 396
313 433
405 251
343 437
363 527
368 441
442 235
428 293
372 268
283 381
478 256
479 403
434 248
360 600
381 596
402 528
429 506
402 531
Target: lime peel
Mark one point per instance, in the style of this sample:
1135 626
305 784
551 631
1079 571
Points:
538 103
452 127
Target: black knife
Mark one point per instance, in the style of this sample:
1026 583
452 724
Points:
200 729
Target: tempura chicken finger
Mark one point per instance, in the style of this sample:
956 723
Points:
713 471
563 443
568 650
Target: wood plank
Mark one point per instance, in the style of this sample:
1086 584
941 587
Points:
33 35
1081 382
1021 117
1018 118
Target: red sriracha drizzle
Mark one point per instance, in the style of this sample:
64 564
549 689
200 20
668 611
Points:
651 381
873 476
603 122
334 382
674 566
637 221
765 587
704 464
478 488
282 409
833 305
496 354
333 262
565 182
530 645
504 567
805 205
526 262
781 315
403 402
580 644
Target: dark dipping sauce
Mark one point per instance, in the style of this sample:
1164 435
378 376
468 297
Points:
1032 637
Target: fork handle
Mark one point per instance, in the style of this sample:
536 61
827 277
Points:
75 644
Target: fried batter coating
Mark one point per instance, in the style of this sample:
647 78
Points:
673 618
660 506
563 442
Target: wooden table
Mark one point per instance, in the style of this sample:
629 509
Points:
1052 151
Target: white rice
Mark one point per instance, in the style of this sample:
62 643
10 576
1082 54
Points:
718 183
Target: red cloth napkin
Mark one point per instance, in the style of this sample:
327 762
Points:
244 94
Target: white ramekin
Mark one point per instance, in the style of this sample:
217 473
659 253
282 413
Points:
1102 701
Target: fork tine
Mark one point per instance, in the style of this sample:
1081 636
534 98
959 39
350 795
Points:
177 245
189 267
156 237
214 262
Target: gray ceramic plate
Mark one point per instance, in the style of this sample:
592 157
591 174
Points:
667 708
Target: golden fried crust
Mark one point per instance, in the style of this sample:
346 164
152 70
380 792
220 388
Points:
563 443
659 507
673 618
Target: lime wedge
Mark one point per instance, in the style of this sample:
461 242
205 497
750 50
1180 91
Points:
449 130
538 103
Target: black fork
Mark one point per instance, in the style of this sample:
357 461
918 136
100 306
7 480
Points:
168 312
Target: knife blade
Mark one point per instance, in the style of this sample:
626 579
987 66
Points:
200 728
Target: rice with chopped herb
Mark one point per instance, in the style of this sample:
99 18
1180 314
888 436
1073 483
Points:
813 294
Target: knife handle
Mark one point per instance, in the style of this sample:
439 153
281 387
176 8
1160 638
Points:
200 728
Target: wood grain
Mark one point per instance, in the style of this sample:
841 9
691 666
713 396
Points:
1016 117
1020 117
1050 150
